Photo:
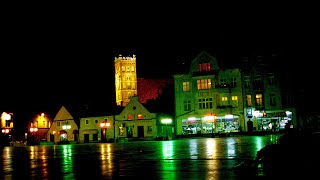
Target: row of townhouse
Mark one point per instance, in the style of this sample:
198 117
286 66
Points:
134 122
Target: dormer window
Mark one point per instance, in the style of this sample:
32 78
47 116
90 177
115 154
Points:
204 67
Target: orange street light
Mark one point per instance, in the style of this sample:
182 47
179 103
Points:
104 126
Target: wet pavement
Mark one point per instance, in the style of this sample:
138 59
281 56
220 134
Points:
196 158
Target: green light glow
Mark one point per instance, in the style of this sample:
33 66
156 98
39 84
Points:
67 165
166 121
168 165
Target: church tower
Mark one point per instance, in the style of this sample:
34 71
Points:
125 79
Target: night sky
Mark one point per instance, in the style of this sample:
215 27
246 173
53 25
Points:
50 59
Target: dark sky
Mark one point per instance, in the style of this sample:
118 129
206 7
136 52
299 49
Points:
57 57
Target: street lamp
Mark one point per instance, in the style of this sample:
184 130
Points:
33 131
166 122
104 126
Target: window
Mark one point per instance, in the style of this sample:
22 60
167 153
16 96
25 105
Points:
257 79
87 121
129 117
95 137
7 123
205 103
233 82
187 105
58 123
248 101
149 129
186 86
271 78
272 99
204 67
247 81
204 84
259 99
223 82
139 116
234 100
96 121
224 101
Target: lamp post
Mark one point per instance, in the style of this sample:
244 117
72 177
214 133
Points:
166 122
104 126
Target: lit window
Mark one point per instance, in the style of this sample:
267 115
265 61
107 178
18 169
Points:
248 101
186 86
204 84
139 116
235 101
129 117
204 67
224 100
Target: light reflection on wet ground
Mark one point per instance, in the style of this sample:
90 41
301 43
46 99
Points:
197 158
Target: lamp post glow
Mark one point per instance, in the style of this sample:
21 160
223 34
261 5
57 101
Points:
166 122
104 126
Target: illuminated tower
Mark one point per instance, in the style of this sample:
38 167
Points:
125 79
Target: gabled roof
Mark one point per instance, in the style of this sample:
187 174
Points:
63 114
203 57
135 105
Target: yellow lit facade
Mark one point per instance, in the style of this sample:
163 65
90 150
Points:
125 79
6 123
39 126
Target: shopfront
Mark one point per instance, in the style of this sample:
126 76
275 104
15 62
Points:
210 124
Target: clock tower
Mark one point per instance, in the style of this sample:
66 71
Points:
125 79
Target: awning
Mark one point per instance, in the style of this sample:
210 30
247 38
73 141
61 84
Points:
90 131
63 132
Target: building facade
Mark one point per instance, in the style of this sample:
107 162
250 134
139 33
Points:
266 101
6 128
96 129
211 99
135 121
125 79
38 127
208 99
63 128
